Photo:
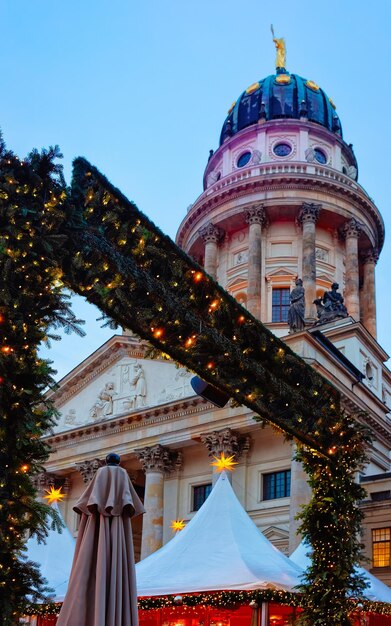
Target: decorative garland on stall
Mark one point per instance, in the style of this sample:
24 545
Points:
226 600
100 245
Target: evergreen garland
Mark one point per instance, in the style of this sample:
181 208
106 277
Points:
100 245
164 296
31 301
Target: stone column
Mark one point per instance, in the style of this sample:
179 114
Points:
156 461
211 236
89 468
351 231
300 495
308 217
255 218
226 441
368 292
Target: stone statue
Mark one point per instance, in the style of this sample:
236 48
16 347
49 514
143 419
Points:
297 308
104 404
138 389
331 306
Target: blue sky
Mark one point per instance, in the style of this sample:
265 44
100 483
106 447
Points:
141 89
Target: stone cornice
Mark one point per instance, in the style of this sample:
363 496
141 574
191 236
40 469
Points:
292 176
115 348
350 400
357 328
377 425
126 422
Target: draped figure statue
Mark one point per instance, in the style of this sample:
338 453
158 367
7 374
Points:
280 50
296 310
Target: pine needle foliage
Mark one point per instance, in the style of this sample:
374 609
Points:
32 193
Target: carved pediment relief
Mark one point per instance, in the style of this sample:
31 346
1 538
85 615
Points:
126 386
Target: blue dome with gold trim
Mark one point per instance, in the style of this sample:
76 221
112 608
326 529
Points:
281 96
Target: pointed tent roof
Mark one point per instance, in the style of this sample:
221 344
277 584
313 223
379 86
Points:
54 557
220 548
376 591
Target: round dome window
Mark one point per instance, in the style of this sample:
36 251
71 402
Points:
282 149
320 156
243 159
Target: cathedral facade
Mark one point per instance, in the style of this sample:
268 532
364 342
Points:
285 227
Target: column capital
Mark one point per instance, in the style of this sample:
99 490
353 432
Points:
370 256
352 228
226 441
159 459
89 468
255 214
309 212
211 233
45 480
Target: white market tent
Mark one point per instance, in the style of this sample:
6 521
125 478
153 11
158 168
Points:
54 557
377 591
220 548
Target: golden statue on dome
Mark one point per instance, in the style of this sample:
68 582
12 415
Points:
280 50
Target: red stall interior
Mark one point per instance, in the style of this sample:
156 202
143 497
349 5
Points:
276 615
197 616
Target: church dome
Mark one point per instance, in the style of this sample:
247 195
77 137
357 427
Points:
281 96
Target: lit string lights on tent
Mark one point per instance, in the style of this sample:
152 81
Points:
97 243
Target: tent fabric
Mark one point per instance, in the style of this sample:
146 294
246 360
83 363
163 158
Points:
220 548
376 591
54 558
102 585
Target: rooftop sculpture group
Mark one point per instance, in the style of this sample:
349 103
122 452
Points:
329 307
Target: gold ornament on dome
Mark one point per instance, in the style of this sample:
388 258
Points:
312 85
224 462
332 103
283 79
280 50
252 88
54 495
231 108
